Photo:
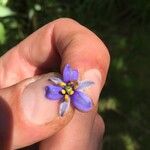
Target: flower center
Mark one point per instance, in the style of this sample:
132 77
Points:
68 88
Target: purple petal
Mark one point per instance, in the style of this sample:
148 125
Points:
64 107
81 101
85 84
53 92
70 74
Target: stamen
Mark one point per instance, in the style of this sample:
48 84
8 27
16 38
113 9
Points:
66 97
63 91
76 85
62 84
71 92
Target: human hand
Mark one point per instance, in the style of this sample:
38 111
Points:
22 80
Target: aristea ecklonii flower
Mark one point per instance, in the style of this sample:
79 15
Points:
69 90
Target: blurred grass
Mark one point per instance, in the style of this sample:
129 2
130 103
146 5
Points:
124 26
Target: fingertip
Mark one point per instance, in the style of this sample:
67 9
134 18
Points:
34 118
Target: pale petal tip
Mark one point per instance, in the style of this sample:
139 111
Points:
64 107
55 80
85 84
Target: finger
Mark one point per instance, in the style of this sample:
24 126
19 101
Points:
71 50
85 52
5 125
93 142
41 51
34 117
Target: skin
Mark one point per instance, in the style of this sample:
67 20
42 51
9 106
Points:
38 54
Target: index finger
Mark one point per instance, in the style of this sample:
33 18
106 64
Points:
62 38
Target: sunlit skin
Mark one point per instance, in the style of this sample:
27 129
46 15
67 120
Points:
37 55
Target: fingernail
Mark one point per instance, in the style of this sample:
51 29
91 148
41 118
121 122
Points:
36 107
95 76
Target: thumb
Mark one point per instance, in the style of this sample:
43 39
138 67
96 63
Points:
34 117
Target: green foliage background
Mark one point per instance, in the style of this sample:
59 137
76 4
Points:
124 26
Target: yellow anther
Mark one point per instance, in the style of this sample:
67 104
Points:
71 92
62 84
75 85
66 97
63 91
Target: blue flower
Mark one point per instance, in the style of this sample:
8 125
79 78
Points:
69 90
